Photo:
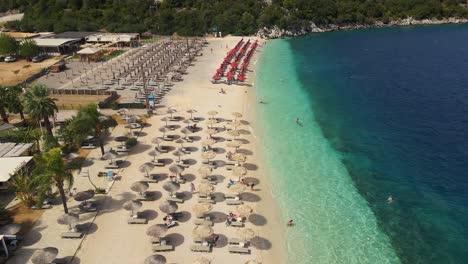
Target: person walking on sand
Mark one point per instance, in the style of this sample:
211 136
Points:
211 50
192 187
290 223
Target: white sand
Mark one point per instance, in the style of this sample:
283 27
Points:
114 241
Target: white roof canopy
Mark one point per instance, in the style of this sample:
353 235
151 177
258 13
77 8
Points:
11 165
54 42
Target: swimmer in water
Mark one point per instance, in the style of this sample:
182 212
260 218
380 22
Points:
390 199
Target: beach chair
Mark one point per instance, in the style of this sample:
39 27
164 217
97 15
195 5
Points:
210 180
174 199
143 197
122 149
88 146
239 250
231 196
132 220
152 179
162 149
235 241
206 200
71 234
203 222
159 248
158 162
200 248
237 224
182 163
185 150
233 202
168 138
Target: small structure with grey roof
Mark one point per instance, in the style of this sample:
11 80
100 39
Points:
15 149
57 46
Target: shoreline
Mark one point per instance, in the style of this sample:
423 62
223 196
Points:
275 32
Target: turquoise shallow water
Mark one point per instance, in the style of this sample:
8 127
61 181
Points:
334 223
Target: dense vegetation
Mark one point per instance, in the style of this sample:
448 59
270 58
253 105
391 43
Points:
195 17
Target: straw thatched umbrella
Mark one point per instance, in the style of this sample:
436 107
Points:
234 133
132 205
208 142
211 131
211 122
244 210
201 260
239 171
245 233
171 111
237 188
139 186
164 130
236 123
69 219
212 113
110 155
234 144
179 154
44 256
239 157
165 119
157 141
146 168
186 132
157 230
208 155
200 209
83 196
168 207
174 168
205 171
155 259
202 231
236 115
10 229
171 186
206 188
191 112
154 153
180 141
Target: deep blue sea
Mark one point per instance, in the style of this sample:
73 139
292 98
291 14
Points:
383 112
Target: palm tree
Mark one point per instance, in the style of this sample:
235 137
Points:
89 120
3 100
13 100
39 106
50 170
25 186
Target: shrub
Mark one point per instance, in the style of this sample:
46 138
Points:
131 142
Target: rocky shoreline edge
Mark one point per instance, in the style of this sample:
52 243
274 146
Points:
276 32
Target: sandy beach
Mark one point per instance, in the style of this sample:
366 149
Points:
112 240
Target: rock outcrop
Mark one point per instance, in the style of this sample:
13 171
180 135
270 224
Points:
276 32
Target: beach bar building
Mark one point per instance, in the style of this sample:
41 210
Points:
57 46
13 157
118 39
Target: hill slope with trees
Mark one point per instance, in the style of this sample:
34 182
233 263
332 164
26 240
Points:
195 17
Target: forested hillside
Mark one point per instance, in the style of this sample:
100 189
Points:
195 17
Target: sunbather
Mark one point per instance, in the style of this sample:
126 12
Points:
230 183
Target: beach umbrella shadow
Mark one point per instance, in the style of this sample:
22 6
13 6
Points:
186 195
260 243
258 220
250 197
250 166
189 177
175 239
251 179
218 197
245 151
217 217
186 215
191 162
219 150
222 241
149 214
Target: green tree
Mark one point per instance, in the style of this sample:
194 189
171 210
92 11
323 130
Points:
25 186
28 48
37 103
8 45
51 171
89 121
3 105
13 101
